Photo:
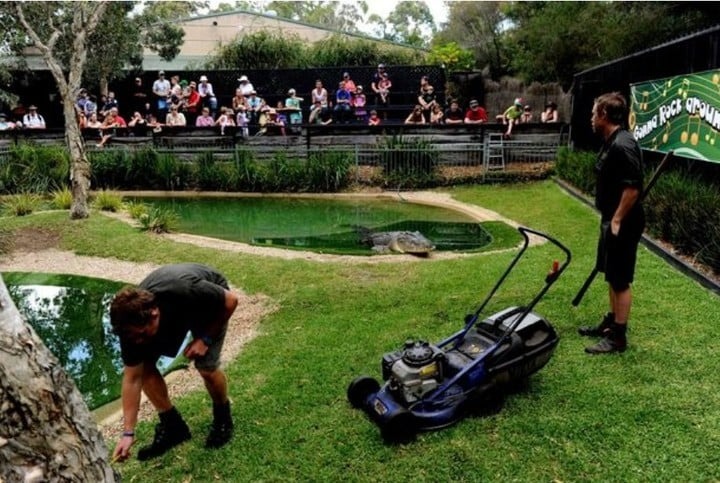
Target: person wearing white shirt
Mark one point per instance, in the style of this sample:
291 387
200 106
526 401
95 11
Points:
245 86
33 120
207 95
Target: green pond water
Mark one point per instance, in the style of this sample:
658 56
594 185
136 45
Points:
71 314
329 226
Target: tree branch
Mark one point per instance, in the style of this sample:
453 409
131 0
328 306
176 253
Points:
46 49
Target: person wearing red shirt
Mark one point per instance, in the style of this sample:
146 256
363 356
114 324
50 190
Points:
475 114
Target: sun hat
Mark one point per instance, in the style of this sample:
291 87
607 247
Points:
291 91
243 78
162 72
203 78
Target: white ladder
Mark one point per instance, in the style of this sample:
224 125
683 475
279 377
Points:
494 151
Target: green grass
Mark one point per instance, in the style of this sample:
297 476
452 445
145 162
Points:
651 414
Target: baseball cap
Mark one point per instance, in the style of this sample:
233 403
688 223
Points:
162 72
381 66
518 102
474 103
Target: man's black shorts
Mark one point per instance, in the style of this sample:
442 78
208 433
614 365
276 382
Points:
616 255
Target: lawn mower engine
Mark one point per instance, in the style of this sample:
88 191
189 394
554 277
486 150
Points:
413 371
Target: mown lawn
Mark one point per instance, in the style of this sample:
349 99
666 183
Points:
650 414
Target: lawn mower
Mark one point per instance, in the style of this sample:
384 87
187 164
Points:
430 386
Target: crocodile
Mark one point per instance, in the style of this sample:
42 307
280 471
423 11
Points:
412 242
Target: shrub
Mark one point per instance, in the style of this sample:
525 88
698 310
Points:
108 201
22 204
136 209
109 167
36 169
209 174
408 164
159 220
328 171
245 173
284 174
577 168
5 240
61 199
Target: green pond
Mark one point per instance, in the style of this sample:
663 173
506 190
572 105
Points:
71 314
324 225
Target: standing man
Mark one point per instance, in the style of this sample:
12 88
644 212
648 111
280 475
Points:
619 185
161 90
153 320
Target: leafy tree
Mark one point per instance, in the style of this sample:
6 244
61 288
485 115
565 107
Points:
341 16
478 27
261 50
410 23
452 56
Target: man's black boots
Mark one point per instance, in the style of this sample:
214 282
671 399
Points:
170 432
597 331
614 340
222 427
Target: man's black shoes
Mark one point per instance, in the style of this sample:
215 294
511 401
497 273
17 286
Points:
167 436
608 345
220 433
598 330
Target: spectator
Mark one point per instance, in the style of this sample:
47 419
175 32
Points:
139 97
381 86
110 126
475 113
175 90
454 115
374 120
33 120
6 125
349 83
225 119
424 85
320 94
342 104
527 115
241 120
205 119
138 125
82 98
254 104
81 120
175 118
320 115
192 103
245 86
110 103
292 105
275 122
436 115
359 102
511 116
427 100
238 99
161 91
416 116
93 121
207 94
90 106
550 113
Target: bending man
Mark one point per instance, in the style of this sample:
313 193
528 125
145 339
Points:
153 320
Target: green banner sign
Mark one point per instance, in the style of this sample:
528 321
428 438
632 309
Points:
680 113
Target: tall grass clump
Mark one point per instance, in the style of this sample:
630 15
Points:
5 240
284 174
106 200
245 172
408 164
328 171
61 199
109 167
33 168
136 209
21 204
159 220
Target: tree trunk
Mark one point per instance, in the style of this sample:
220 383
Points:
79 164
46 431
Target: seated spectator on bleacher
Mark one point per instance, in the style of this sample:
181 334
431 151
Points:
207 94
342 104
225 119
319 94
359 102
110 103
5 125
175 118
320 115
374 120
82 97
241 121
205 119
292 106
110 124
81 119
90 106
349 83
33 120
454 115
93 121
427 100
138 125
550 113
254 104
527 115
436 114
245 86
381 85
511 116
416 116
424 85
238 99
275 122
475 114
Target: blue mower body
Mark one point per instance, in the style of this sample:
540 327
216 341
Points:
431 386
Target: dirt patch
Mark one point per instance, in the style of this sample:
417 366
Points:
32 239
